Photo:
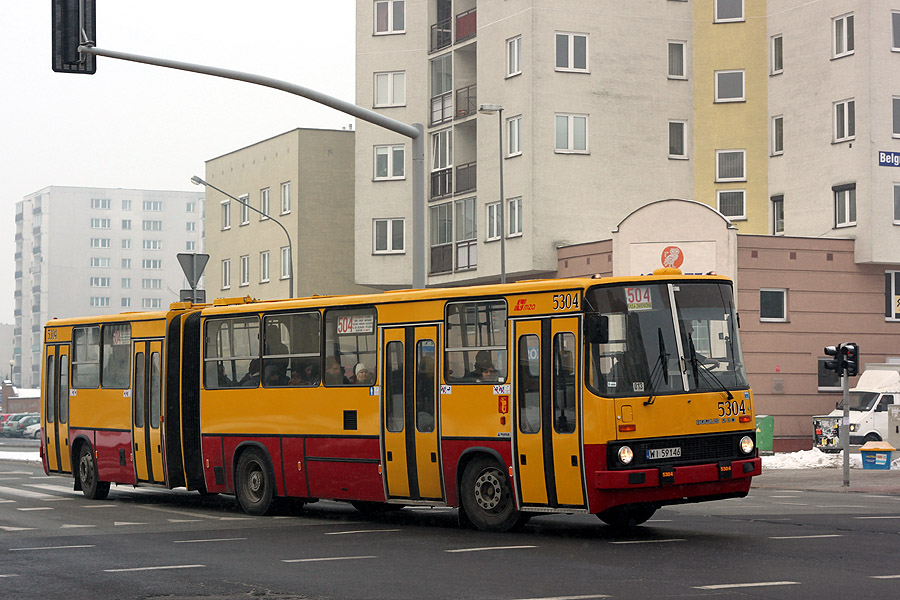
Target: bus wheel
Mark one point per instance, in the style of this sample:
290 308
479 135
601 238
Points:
253 483
627 516
486 496
91 486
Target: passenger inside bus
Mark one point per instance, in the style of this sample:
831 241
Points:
251 378
334 372
304 372
363 375
275 368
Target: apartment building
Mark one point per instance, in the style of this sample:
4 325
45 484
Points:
94 251
301 179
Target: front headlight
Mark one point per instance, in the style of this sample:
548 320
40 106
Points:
747 444
626 455
853 427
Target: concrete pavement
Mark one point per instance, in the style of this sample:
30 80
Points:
867 481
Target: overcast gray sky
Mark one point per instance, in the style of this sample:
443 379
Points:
143 127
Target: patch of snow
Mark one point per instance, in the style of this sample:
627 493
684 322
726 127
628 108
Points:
816 459
21 456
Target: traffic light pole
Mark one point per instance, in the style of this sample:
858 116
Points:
845 427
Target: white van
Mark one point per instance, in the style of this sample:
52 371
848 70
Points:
878 387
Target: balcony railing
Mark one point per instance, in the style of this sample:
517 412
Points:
466 101
442 108
441 183
465 25
465 177
441 259
441 35
466 255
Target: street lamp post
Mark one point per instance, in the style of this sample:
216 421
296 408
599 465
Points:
197 181
489 109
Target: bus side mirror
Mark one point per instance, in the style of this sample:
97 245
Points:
596 329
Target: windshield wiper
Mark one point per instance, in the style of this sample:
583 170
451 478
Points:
695 364
661 361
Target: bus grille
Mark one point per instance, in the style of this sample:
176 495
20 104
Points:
695 449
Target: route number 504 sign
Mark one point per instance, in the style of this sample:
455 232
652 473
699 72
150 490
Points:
638 298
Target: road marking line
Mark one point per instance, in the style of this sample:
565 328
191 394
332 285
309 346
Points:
126 523
589 597
805 537
302 560
15 473
11 575
882 517
52 548
6 501
208 540
361 531
782 496
184 520
75 526
885 577
660 521
791 503
53 488
839 506
23 493
490 548
35 508
8 528
649 541
133 569
728 586
98 506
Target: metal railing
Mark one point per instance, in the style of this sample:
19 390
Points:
466 25
441 35
466 101
441 183
465 177
442 108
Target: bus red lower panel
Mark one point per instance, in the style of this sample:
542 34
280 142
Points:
344 468
112 453
452 451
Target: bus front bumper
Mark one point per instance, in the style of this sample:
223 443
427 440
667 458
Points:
688 475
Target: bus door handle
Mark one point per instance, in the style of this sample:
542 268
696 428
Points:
135 446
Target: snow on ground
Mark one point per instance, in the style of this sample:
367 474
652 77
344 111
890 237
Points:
816 459
21 456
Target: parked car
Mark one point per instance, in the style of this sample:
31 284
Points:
11 426
22 424
33 431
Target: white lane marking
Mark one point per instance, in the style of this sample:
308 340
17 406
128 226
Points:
8 528
805 537
23 493
184 520
98 506
10 575
782 496
880 517
303 560
35 508
728 586
884 577
235 518
650 541
588 597
208 540
126 523
76 526
489 548
162 568
791 503
361 531
54 488
839 506
15 473
660 521
52 548
6 501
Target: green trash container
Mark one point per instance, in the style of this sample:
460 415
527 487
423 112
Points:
765 432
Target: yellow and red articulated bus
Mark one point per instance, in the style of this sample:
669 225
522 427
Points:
611 396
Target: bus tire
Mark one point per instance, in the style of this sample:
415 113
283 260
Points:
627 516
486 496
254 483
89 481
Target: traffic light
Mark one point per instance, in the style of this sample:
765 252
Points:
70 19
836 364
850 352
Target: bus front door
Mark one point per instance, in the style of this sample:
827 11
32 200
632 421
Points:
410 430
146 402
56 408
548 413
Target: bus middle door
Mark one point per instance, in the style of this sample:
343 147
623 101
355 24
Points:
548 407
56 408
146 404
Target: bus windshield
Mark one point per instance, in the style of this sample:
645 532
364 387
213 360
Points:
664 338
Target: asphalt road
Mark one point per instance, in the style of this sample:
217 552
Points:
151 543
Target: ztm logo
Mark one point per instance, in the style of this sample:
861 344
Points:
672 256
522 304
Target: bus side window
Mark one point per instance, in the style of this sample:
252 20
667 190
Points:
291 350
350 342
116 355
393 387
425 385
476 342
564 415
86 357
232 346
529 384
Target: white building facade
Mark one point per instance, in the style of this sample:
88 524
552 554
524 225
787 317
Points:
94 251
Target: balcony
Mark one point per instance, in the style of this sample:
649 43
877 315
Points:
466 255
441 35
441 259
465 177
442 108
466 25
441 183
466 101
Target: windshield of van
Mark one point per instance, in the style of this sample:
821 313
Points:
860 401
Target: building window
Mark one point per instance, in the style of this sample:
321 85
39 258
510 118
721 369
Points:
226 214
153 205
151 303
390 89
441 238
778 135
729 10
777 54
514 218
126 204
390 162
466 232
285 197
843 35
389 236
126 244
264 204
572 52
442 163
152 244
100 223
844 205
102 282
190 207
389 17
102 203
286 262
892 295
226 273
828 379
151 284
572 133
190 226
514 56
494 218
151 225
190 246
126 263
126 224
99 301
731 203
245 270
677 139
897 204
126 283
844 120
731 165
895 29
514 136
896 116
677 51
264 266
126 302
778 215
773 305
151 263
730 86
245 210
99 242
100 261
442 90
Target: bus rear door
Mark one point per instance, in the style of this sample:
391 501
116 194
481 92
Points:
146 391
56 408
548 413
409 410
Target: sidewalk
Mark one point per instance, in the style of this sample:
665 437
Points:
867 481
